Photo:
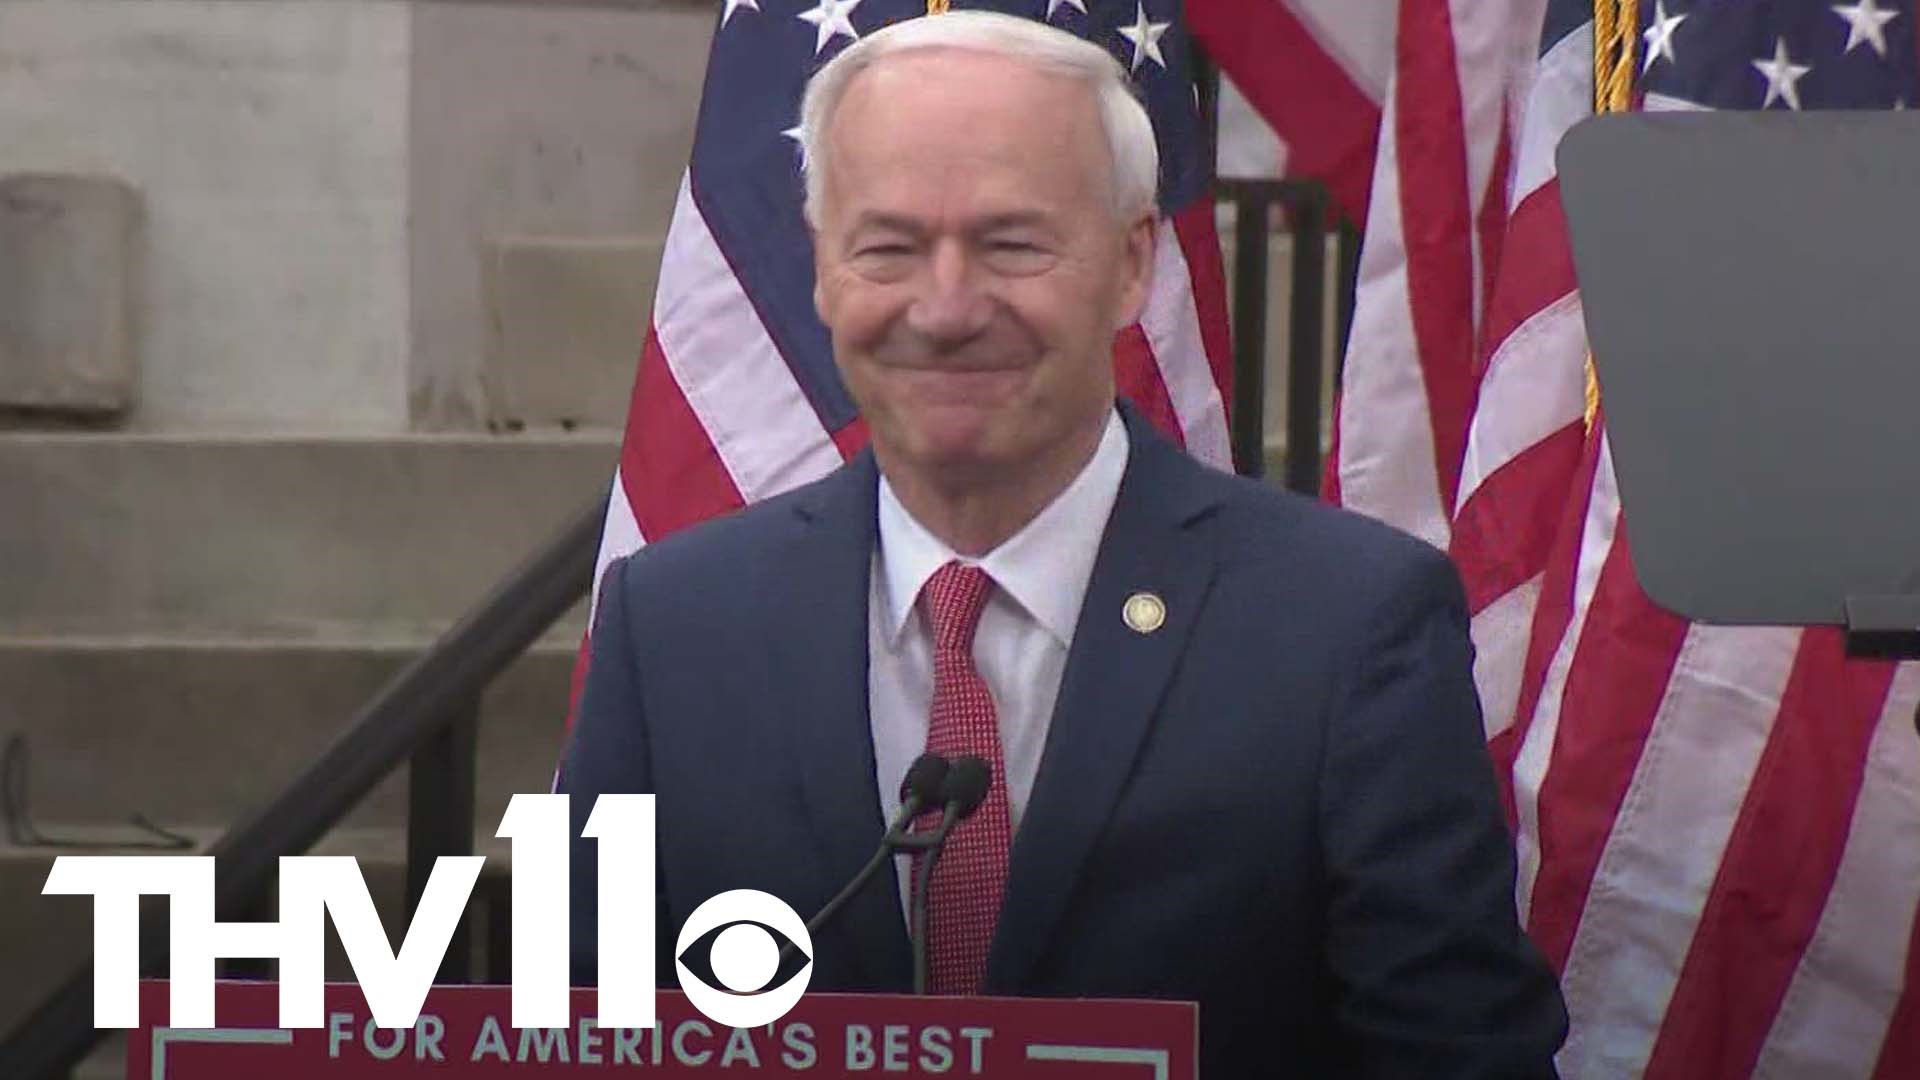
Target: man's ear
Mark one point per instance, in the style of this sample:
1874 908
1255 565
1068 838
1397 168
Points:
1137 258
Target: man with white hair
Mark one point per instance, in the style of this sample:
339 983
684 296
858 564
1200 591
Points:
1236 753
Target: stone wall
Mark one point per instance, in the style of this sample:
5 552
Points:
324 184
268 145
540 128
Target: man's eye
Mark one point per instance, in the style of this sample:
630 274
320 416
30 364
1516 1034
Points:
1017 257
742 952
884 251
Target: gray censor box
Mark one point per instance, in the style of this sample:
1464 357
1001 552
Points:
1752 292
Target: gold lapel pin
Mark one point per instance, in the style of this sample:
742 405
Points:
1144 612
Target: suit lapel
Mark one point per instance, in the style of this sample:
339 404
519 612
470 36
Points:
819 659
1114 680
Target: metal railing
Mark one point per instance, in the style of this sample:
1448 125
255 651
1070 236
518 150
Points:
426 715
1310 217
1308 214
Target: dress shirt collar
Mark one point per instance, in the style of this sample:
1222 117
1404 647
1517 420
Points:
1044 567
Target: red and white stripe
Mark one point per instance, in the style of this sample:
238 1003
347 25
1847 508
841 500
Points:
1849 978
1316 72
1524 438
1433 237
1718 829
717 419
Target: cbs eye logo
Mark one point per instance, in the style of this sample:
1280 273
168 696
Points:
744 958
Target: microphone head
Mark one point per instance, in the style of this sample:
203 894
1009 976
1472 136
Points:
926 779
968 779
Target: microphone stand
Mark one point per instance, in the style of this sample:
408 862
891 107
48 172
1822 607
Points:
930 782
920 790
931 845
964 788
889 844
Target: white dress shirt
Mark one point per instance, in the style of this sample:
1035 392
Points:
1040 579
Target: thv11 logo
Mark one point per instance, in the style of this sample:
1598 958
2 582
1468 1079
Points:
396 984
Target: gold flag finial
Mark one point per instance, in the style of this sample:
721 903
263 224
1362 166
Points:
936 7
1616 30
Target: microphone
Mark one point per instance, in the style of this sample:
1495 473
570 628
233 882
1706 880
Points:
966 785
923 787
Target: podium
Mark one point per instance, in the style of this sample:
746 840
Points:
466 1031
1747 279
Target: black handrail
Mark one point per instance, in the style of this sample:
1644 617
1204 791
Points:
432 699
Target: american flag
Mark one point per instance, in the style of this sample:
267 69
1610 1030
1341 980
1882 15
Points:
737 399
1718 828
1433 240
1316 71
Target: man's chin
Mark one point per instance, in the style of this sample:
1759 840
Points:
959 455
958 458
941 430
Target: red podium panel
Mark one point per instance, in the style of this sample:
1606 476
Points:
466 1031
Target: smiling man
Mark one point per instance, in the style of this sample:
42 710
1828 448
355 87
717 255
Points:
1236 754
977 249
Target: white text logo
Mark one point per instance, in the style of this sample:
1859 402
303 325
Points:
312 888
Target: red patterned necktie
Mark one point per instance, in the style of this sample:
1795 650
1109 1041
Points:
971 876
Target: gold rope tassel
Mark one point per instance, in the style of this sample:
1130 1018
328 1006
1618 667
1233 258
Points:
1616 31
936 7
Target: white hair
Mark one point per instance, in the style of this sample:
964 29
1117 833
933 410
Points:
1135 157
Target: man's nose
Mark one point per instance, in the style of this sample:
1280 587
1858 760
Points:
953 305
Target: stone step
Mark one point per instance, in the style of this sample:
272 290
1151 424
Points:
288 537
204 732
44 938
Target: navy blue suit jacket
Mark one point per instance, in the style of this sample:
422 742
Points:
1278 805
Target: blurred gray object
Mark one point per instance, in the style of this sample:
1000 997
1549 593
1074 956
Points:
1749 282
